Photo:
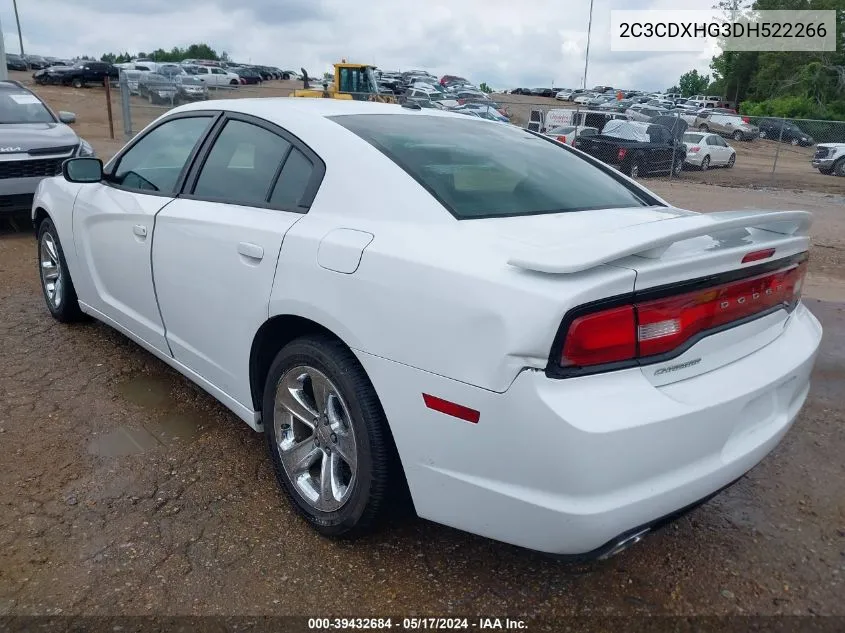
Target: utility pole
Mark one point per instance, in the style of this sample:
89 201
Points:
587 56
18 20
4 73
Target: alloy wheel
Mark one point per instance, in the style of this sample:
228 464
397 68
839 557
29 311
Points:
51 270
315 438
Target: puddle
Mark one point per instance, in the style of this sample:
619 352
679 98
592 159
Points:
146 391
164 427
123 441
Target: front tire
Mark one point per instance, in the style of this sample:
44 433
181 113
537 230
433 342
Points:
737 135
78 83
56 284
328 437
839 168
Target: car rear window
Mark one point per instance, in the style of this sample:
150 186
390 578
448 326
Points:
478 169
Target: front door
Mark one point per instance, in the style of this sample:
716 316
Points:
113 224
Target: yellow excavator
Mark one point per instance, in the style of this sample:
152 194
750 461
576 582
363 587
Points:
351 81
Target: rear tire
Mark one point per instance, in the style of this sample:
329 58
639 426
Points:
78 83
56 284
763 134
839 167
705 164
349 426
737 136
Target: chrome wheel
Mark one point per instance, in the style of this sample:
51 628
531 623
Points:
315 438
51 270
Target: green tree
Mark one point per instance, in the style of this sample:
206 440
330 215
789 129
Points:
691 83
483 87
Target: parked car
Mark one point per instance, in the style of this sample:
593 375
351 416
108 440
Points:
157 89
644 113
79 75
15 62
512 288
215 77
830 158
133 78
731 125
568 133
168 70
563 95
250 76
584 98
36 62
34 141
705 150
636 148
786 131
190 88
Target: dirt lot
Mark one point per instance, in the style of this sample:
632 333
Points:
127 490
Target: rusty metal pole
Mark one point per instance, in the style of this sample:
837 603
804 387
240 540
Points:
107 84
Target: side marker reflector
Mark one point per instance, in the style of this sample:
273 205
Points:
756 256
450 408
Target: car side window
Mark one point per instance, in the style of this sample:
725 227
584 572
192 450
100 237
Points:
155 162
293 182
217 71
241 165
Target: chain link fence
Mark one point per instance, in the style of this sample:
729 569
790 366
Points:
720 148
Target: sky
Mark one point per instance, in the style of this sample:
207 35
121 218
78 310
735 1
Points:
504 43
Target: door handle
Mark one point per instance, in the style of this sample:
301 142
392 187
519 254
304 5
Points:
253 251
140 230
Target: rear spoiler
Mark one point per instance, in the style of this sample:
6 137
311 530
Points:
653 239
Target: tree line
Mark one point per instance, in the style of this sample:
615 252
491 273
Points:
784 84
175 54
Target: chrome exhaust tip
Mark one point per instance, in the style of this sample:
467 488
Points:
625 543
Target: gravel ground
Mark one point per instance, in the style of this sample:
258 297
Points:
127 490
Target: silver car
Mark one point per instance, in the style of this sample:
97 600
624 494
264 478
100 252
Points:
34 142
730 125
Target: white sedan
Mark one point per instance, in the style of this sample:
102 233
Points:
534 347
708 150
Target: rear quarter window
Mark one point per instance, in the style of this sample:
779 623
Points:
478 169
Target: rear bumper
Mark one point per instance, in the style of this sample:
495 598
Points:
567 466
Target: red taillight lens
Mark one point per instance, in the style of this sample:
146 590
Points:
745 119
603 337
621 155
562 139
694 150
650 328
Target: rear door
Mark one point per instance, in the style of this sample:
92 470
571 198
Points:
217 246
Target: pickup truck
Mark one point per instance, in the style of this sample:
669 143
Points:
636 148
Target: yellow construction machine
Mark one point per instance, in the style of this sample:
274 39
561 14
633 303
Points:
351 81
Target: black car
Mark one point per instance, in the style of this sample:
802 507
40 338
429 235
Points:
36 62
249 75
79 75
15 62
778 129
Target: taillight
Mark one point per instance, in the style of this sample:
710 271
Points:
694 149
745 119
644 329
602 337
621 155
562 139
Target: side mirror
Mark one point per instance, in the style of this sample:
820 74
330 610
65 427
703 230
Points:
83 170
67 117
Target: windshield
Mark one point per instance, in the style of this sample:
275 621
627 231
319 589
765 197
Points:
561 130
479 170
23 107
693 138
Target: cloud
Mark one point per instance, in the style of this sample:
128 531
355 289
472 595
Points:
501 42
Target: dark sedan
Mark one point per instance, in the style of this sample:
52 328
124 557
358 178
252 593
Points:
786 131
